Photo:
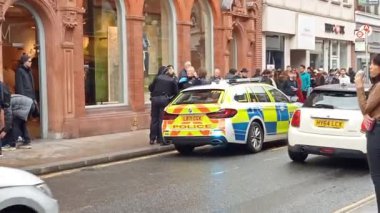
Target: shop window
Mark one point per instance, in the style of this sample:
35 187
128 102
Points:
157 41
275 50
201 36
101 43
343 55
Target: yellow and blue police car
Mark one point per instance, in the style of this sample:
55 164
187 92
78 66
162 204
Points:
238 111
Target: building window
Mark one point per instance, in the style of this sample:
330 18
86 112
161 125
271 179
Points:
343 55
157 41
317 56
102 49
233 52
202 36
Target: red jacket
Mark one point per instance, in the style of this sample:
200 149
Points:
299 92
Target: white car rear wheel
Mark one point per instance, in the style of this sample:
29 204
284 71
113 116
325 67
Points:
299 157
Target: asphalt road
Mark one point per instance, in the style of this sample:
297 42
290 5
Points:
215 180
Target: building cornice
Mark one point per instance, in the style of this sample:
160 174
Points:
309 13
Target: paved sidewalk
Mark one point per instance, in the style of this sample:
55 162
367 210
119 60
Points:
49 156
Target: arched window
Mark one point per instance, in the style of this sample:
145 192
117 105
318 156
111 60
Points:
202 36
159 39
103 51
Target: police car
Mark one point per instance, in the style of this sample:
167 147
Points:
239 112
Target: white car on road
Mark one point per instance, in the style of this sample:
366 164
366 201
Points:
328 124
22 192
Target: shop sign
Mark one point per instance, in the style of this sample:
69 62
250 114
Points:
337 29
368 2
359 46
306 32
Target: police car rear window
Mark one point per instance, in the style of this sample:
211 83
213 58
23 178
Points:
333 100
199 97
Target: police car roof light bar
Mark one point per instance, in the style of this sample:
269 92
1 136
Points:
243 80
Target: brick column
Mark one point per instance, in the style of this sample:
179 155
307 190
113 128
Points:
135 63
219 49
184 40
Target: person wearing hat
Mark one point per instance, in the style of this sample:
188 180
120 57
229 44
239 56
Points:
25 87
244 73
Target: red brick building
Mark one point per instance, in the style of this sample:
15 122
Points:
93 59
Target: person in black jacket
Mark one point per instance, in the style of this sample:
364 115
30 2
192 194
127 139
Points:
290 87
25 87
5 105
163 89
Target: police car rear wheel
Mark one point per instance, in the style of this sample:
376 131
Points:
297 156
255 138
185 150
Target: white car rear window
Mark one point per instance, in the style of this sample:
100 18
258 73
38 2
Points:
333 100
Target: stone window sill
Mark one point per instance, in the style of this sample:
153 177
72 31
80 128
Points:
336 2
348 5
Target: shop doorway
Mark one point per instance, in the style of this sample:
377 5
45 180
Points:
20 36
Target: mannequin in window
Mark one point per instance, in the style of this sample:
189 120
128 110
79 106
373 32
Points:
146 45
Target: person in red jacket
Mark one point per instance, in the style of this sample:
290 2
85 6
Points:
299 91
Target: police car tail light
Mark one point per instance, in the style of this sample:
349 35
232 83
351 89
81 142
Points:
296 120
223 113
168 116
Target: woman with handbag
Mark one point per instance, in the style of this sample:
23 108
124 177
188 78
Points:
370 107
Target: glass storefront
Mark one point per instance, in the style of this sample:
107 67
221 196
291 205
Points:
157 41
275 50
201 36
101 43
317 55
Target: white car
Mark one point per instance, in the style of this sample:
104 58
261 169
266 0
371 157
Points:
22 192
328 124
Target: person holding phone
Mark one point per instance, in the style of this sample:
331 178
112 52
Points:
370 108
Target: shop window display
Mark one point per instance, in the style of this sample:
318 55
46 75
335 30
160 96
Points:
201 36
157 40
101 43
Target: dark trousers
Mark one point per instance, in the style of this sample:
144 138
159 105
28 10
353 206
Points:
373 155
20 129
158 105
9 138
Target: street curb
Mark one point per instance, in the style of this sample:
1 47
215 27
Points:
357 204
48 168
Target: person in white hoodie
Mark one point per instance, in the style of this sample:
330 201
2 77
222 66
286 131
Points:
344 78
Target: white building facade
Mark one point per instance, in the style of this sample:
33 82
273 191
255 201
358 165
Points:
315 33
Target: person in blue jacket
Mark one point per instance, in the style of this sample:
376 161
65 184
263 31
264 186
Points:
306 81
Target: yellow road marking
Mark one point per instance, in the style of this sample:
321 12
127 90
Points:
356 205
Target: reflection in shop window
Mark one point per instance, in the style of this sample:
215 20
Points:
317 56
201 36
101 43
157 41
343 55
